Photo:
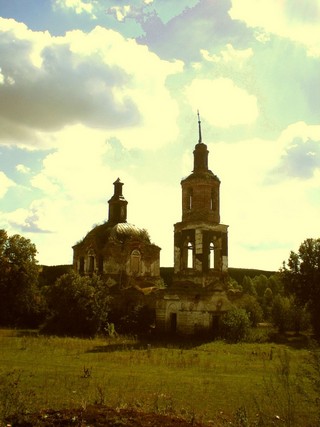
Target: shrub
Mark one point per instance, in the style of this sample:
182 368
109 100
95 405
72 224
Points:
235 325
252 307
79 305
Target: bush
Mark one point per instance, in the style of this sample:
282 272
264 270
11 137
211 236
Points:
252 307
235 325
78 305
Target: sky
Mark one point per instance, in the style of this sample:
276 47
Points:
93 90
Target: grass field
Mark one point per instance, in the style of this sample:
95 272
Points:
208 382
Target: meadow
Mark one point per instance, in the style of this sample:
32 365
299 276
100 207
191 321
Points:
218 383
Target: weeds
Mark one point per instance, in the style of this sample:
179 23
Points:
202 382
13 400
284 391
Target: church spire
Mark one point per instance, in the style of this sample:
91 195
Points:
199 124
200 154
117 204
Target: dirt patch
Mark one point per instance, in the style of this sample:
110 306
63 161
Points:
99 416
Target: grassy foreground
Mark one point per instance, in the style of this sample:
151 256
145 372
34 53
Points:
213 382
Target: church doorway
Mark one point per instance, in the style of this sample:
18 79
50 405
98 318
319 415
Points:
173 322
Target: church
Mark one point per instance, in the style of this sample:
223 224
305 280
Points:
123 255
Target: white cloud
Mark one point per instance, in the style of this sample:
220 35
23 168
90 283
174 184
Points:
78 6
266 219
22 168
5 184
120 12
76 168
221 102
294 19
228 55
84 185
100 79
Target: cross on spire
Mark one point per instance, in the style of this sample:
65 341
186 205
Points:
199 123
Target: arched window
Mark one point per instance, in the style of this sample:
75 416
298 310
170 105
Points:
212 200
190 255
81 265
91 263
135 261
190 198
211 255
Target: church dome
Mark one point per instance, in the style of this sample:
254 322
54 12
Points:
124 231
121 232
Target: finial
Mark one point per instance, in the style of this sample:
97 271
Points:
199 123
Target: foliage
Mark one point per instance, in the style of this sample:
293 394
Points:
13 399
137 321
79 305
21 303
248 287
283 392
281 313
288 315
260 283
301 277
235 325
253 309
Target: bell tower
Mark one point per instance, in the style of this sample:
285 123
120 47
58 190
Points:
200 241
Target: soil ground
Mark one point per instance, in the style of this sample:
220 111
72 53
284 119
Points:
99 416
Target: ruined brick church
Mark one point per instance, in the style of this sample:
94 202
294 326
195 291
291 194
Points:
129 263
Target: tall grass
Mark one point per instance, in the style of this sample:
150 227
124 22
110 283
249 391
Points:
214 381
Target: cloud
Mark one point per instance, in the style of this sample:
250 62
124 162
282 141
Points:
75 190
301 153
5 184
293 19
267 217
78 6
221 102
22 168
228 54
120 12
179 29
89 79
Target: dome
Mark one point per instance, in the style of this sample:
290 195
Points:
125 231
120 232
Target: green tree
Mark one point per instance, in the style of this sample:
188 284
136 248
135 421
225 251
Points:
248 286
21 303
301 277
275 284
235 325
253 309
79 305
281 313
260 283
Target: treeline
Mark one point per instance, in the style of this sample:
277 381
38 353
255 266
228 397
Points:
59 301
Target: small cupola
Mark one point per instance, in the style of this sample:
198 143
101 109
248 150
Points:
117 205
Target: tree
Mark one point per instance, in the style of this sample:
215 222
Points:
301 276
235 325
253 309
260 283
281 313
78 305
20 300
248 287
275 284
